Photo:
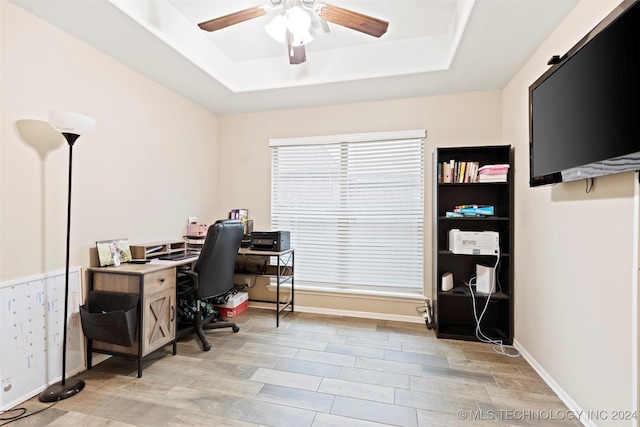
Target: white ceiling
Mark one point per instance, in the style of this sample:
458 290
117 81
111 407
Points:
432 47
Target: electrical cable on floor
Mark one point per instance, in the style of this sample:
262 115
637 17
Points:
23 411
427 313
22 415
421 309
498 345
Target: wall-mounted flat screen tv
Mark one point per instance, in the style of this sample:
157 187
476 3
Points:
584 112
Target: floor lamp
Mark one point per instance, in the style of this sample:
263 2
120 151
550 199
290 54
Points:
71 125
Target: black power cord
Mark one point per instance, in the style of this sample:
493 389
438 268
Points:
23 414
427 312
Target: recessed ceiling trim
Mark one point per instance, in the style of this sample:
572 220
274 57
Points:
458 25
499 37
371 60
162 20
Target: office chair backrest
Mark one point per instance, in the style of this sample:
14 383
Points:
216 263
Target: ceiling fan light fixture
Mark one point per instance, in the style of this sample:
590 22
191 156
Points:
299 23
277 28
296 21
300 39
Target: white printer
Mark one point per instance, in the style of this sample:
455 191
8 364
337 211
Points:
474 242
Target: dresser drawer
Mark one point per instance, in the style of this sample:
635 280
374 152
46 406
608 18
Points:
159 281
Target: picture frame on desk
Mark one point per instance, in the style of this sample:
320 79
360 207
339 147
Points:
113 252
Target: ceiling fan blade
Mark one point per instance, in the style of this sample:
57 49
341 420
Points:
356 21
297 54
232 18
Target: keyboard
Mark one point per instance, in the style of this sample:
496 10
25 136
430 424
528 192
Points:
176 256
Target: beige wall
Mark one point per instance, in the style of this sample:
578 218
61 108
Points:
245 174
149 164
576 259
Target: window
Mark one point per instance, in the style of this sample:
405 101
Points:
354 205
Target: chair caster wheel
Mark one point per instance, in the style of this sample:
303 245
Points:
235 329
206 347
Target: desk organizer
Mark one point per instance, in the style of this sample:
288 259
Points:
110 317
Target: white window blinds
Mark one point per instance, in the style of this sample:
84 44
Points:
354 207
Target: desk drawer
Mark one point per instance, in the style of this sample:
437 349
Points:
159 281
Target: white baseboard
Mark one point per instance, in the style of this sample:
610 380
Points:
566 399
348 313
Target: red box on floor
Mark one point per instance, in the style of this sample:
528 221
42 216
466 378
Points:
233 311
235 306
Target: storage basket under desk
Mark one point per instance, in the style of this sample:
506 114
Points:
110 317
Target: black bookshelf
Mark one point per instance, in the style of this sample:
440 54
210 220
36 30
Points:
454 309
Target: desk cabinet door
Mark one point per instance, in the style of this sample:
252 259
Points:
159 319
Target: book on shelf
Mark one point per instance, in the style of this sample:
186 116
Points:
472 210
499 169
463 166
454 171
485 210
450 214
493 178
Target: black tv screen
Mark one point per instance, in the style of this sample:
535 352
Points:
584 112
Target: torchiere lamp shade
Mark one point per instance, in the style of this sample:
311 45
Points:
73 123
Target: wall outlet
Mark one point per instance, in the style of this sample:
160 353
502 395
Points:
247 281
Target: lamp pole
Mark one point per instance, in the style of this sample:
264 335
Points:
71 138
75 123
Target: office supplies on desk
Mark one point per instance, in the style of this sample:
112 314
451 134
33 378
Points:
157 249
242 215
153 249
196 229
176 256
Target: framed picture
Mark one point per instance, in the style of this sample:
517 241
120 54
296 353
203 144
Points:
113 252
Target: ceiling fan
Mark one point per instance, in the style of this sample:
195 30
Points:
293 21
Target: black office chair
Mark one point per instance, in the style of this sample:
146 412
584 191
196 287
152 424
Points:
210 281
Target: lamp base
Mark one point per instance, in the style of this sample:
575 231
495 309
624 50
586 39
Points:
57 391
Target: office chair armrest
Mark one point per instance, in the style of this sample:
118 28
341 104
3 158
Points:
188 289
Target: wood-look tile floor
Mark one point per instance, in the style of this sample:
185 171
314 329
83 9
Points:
315 371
